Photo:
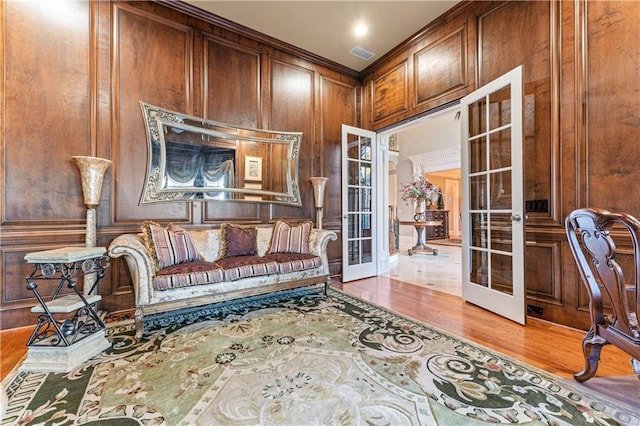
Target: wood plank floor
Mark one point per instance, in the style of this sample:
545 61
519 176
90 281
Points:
547 346
12 348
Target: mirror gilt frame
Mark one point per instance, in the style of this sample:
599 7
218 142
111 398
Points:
194 159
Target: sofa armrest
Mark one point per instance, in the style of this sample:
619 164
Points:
318 241
140 263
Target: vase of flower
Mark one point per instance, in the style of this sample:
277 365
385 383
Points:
421 208
421 192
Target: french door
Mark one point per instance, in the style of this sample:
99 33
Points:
492 193
359 253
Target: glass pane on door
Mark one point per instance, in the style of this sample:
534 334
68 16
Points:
360 211
358 165
493 244
489 174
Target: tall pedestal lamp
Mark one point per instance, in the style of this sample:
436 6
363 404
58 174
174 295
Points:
92 170
319 184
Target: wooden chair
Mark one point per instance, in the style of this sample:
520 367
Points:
613 301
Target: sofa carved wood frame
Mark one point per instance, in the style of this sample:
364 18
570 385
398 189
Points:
614 297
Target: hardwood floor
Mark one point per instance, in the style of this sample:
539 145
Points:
12 348
550 347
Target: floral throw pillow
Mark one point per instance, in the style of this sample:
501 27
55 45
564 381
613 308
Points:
168 246
238 240
290 238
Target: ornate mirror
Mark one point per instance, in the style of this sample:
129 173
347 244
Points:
193 159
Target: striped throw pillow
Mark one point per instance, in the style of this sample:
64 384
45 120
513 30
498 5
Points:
169 246
288 238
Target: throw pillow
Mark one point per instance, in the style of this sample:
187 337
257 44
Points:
238 240
168 246
289 238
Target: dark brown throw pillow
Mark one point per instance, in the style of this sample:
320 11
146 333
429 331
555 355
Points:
238 240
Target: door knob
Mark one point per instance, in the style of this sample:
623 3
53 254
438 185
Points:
515 217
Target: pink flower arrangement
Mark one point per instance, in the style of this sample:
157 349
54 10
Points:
419 187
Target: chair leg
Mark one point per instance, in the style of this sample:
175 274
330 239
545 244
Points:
591 348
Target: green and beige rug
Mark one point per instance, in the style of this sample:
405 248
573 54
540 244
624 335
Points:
298 358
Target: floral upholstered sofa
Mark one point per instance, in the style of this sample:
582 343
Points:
172 268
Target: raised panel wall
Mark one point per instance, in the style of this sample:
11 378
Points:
224 65
600 121
41 198
612 89
441 67
224 99
292 109
153 63
390 93
516 34
84 84
42 105
542 271
338 105
581 92
581 74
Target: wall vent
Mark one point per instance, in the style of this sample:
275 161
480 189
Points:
361 53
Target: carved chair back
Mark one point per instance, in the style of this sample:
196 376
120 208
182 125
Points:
613 296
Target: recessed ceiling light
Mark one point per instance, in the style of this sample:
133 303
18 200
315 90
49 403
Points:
360 30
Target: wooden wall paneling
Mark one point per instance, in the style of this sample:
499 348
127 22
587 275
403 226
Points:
17 301
552 280
600 51
231 83
46 119
612 88
152 62
562 305
542 273
533 40
519 33
291 108
231 93
115 54
229 211
570 154
45 111
573 116
150 51
390 93
441 67
338 106
441 60
117 289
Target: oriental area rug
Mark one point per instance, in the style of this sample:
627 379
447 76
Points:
298 358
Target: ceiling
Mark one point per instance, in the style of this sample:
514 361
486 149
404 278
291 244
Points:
326 28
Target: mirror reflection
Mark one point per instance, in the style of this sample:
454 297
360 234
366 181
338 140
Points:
191 159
